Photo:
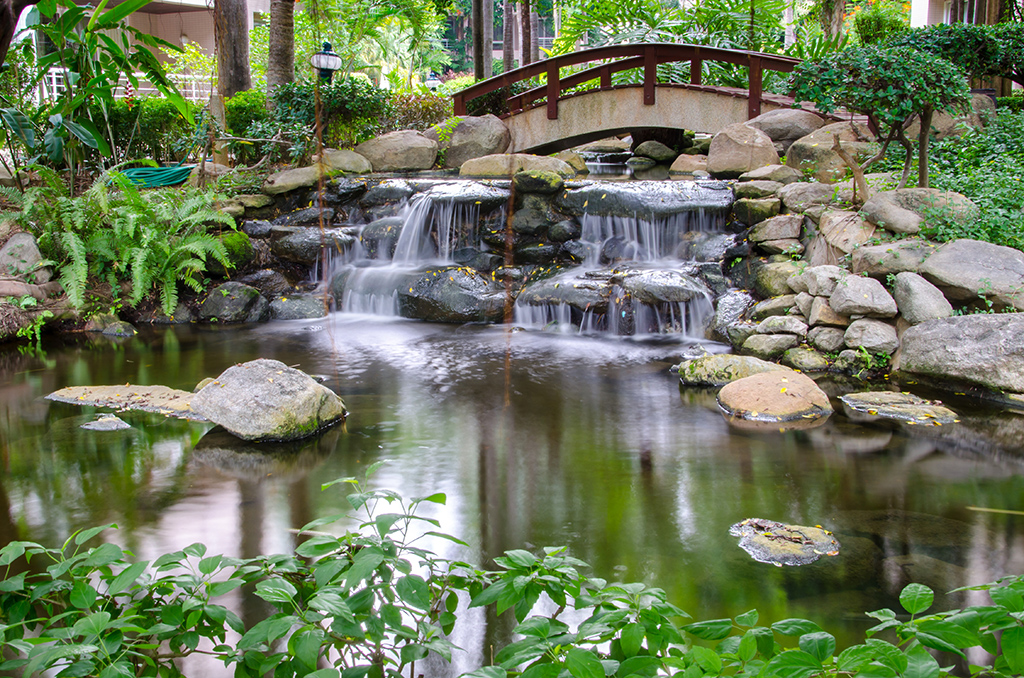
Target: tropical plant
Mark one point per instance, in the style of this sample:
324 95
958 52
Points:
375 602
116 234
881 20
890 85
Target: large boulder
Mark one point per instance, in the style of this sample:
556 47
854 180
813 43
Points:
289 180
982 349
306 244
234 302
644 199
813 154
785 125
968 270
801 195
779 173
722 368
906 209
774 397
839 233
470 137
662 286
507 164
945 125
739 148
879 261
919 300
345 160
267 400
656 151
857 295
455 295
399 151
20 257
874 336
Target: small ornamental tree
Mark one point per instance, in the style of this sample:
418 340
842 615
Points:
890 86
973 48
1010 36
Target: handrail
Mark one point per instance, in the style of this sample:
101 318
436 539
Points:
645 55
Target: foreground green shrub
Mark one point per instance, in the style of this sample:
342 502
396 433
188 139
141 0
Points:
374 603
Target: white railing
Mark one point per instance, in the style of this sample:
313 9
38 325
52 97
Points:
193 88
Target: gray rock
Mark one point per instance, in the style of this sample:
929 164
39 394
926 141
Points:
297 307
919 300
858 295
751 211
826 339
454 295
723 368
656 151
805 360
689 164
471 137
822 314
541 182
644 199
783 324
779 173
853 362
774 397
772 306
305 217
770 280
507 164
581 292
574 160
839 233
813 154
234 302
346 161
267 400
804 301
882 210
106 422
305 245
729 308
790 247
289 180
874 336
769 346
739 332
878 261
970 270
800 196
982 349
899 406
119 329
739 148
564 231
386 192
786 125
756 189
379 237
777 228
256 228
530 222
20 258
639 163
399 151
656 286
537 254
818 281
269 282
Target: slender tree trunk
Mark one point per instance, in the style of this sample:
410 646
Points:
281 50
488 38
922 147
232 34
508 56
534 37
477 20
527 33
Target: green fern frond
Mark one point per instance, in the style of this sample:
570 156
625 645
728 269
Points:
75 273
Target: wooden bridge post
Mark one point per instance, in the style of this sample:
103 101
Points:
650 74
696 67
459 103
553 90
754 95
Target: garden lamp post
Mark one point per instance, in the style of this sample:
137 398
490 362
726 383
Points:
326 62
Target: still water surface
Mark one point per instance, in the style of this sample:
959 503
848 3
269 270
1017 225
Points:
536 439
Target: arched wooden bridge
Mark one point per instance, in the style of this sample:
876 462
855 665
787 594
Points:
547 119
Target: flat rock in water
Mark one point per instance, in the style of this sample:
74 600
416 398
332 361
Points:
775 397
159 399
768 541
723 368
106 422
902 406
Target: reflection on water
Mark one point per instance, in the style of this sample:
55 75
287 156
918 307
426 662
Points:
597 449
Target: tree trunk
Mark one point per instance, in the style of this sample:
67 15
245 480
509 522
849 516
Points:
232 34
832 16
922 147
527 33
281 50
508 57
9 13
534 37
477 19
488 38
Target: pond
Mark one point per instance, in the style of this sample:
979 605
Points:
536 439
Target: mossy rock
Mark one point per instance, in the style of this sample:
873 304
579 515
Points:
240 253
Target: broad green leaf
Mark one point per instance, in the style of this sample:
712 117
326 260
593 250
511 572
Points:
331 603
747 618
318 546
520 558
209 565
219 588
363 565
852 658
819 645
793 664
948 632
101 143
385 521
112 17
583 664
631 638
83 595
1009 598
920 664
11 584
795 627
21 126
538 627
94 624
353 672
127 577
490 594
276 591
305 646
748 647
196 550
714 629
324 673
536 671
412 652
916 598
641 665
413 590
707 659
436 498
1013 649
104 554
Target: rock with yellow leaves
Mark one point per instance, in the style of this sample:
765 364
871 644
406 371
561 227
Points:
774 397
769 541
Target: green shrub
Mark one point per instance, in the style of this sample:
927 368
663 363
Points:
881 21
972 48
243 109
148 127
418 111
1011 103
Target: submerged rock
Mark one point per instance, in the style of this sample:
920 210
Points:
775 397
267 400
159 399
901 406
645 199
454 295
106 422
768 541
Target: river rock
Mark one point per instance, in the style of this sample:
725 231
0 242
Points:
453 295
785 125
882 210
609 145
305 245
20 257
771 280
160 399
777 228
574 160
119 328
874 336
657 286
297 307
345 160
749 211
839 233
799 196
970 270
768 541
783 324
919 300
756 189
813 155
739 148
387 192
982 349
900 406
878 261
818 281
267 400
803 303
106 422
724 368
826 339
399 151
644 199
773 306
769 346
507 164
564 231
822 314
234 302
289 180
305 217
857 295
256 228
688 164
656 151
530 222
542 182
471 137
774 397
778 173
582 292
805 360
380 236
268 281
729 308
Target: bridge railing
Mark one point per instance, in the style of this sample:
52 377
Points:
617 58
